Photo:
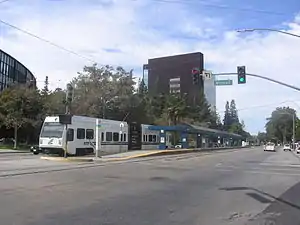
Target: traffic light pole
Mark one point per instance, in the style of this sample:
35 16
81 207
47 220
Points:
261 77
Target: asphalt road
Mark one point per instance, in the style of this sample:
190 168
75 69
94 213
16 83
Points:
234 187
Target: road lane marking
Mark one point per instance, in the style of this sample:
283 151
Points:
259 172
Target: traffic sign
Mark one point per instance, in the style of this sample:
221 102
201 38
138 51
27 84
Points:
223 82
207 75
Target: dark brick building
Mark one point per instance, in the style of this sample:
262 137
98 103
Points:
159 71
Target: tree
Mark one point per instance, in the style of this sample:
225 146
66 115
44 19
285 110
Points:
55 102
142 89
280 125
20 107
216 121
45 90
227 117
234 119
262 136
175 109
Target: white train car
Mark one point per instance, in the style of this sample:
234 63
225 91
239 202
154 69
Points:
81 136
150 138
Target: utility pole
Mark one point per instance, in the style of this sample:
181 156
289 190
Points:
69 99
293 131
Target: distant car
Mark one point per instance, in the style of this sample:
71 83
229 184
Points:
287 147
298 150
269 147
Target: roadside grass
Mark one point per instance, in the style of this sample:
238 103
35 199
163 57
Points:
11 146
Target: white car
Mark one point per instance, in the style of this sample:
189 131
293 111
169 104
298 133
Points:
287 147
269 147
298 150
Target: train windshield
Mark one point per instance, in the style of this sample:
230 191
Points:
52 130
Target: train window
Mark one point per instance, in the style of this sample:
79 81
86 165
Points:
70 135
121 137
89 134
154 138
80 133
150 138
115 136
124 137
108 136
144 138
102 136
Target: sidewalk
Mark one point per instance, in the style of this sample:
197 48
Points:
10 151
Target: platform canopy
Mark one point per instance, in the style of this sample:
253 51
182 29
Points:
193 129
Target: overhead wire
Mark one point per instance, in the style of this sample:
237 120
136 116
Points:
4 1
47 41
265 105
226 7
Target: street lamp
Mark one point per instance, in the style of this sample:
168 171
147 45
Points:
268 29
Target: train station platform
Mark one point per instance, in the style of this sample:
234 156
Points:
201 135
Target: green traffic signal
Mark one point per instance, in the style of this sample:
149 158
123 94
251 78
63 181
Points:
241 71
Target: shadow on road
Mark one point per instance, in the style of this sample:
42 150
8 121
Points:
283 210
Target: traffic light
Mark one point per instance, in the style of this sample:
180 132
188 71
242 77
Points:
70 90
196 75
241 71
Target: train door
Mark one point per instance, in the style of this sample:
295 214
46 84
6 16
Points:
135 136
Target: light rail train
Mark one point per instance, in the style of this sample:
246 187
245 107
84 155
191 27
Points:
116 136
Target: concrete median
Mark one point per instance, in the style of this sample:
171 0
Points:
69 159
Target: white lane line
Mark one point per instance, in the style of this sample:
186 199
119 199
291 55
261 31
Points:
259 169
259 172
281 165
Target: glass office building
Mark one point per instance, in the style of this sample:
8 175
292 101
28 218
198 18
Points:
12 72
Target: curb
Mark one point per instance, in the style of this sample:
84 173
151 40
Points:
156 153
144 155
165 152
60 159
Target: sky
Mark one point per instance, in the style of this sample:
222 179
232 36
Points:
129 32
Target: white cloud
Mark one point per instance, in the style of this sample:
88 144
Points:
129 26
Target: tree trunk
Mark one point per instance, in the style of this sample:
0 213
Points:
15 136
